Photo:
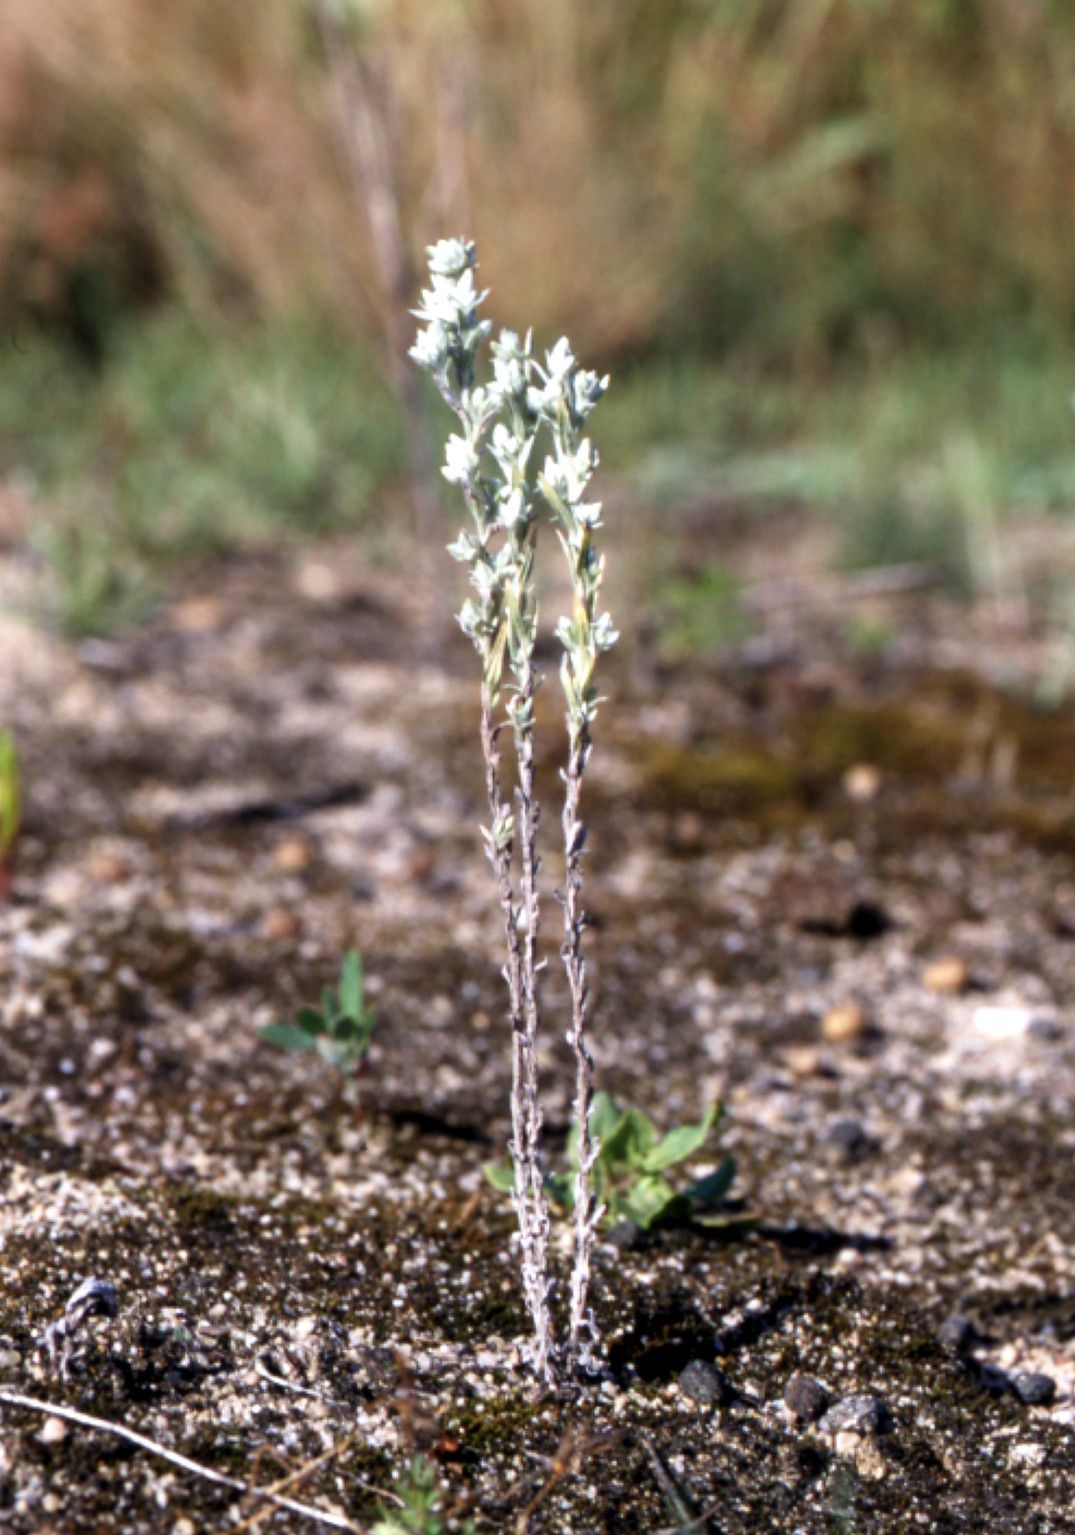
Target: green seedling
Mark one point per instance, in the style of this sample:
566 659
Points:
10 793
419 1506
10 806
341 1030
629 1173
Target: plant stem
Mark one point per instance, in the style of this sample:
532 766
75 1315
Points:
528 1196
586 1214
529 815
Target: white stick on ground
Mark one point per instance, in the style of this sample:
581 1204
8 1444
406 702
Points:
173 1457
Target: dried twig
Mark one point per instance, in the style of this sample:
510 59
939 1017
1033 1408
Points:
271 1495
173 1457
687 1521
290 1385
573 1448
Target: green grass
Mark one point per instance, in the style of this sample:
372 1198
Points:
923 458
190 443
187 445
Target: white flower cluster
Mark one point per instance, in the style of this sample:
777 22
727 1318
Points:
490 460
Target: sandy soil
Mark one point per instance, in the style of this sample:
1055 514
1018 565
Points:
837 893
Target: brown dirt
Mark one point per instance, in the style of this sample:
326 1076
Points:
745 881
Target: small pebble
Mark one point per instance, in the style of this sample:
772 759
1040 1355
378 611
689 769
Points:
862 781
108 868
805 1398
197 615
53 1431
843 1024
958 1333
1002 1021
280 925
1027 1454
852 1138
705 1384
626 1236
292 856
869 1460
857 1415
802 1060
1045 1031
994 1380
1034 1388
948 976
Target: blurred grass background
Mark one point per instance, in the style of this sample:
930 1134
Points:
827 246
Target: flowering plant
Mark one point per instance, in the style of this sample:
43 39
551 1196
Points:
493 460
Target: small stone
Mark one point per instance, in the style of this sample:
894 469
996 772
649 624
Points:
292 856
947 976
53 1431
280 925
802 1060
50 1503
958 1333
994 1380
851 1138
1034 1388
862 781
857 1415
1027 1454
869 1461
841 1025
805 1398
1002 1021
688 832
197 615
626 1235
184 1527
705 1384
109 868
9 1359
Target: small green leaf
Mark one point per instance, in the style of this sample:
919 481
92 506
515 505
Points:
679 1144
648 1200
560 1187
351 986
630 1141
287 1036
501 1175
604 1116
310 1020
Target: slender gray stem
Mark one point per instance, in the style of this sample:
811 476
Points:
574 957
529 815
527 1193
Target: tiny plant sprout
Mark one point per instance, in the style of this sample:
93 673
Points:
10 804
340 1030
417 1505
510 485
629 1172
